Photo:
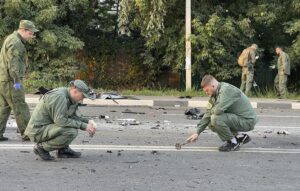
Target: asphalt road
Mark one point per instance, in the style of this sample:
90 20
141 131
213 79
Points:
143 157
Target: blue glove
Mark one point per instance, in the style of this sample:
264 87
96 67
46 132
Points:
17 86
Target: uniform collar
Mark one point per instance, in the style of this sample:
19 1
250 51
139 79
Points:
20 37
218 89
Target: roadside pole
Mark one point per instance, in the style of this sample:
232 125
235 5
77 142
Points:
188 49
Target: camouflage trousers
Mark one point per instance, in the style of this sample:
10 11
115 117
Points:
280 82
53 137
11 99
247 78
227 125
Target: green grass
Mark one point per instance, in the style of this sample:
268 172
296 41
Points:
264 93
270 94
163 92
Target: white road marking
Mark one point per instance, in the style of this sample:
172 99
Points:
270 116
280 116
155 148
255 128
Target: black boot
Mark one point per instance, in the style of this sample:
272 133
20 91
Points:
244 139
42 153
229 146
25 138
67 152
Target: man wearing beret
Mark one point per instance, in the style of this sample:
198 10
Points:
229 113
55 121
13 60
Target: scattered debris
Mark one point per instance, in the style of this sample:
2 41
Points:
131 162
161 108
132 112
177 105
92 170
41 90
111 95
154 152
24 152
125 122
113 111
193 113
282 132
103 117
268 131
109 151
167 122
187 97
265 136
156 127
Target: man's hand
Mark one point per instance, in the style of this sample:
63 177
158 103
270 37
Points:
17 86
192 138
90 129
93 123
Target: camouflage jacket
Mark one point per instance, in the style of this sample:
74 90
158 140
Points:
13 58
56 107
227 99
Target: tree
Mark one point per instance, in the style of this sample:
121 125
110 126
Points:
52 54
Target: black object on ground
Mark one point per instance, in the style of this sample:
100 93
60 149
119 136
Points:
42 90
193 113
132 112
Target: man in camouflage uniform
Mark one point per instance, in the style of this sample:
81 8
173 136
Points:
284 70
12 70
55 121
248 69
229 112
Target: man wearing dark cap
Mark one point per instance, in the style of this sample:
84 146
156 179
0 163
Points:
55 121
12 70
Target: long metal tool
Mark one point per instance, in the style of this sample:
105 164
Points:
179 145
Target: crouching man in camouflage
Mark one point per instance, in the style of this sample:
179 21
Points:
229 112
55 121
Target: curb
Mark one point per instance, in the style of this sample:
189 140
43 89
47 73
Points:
175 103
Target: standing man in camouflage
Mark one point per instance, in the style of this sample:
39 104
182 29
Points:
55 121
12 70
247 60
229 112
284 70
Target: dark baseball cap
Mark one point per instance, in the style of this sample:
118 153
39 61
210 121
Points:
82 87
26 24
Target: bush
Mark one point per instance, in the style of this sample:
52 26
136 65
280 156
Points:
37 79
